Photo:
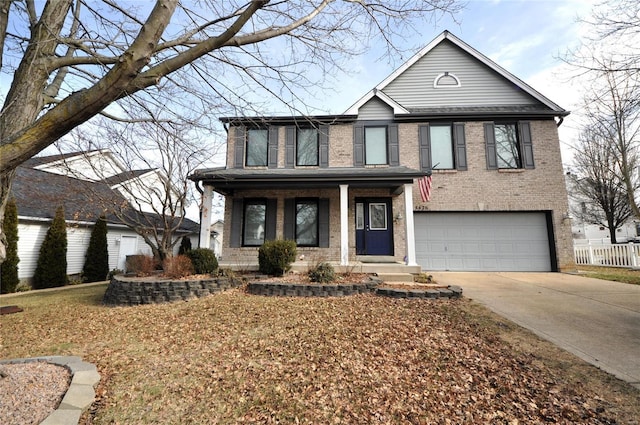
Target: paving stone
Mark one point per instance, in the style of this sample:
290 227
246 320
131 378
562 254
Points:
63 417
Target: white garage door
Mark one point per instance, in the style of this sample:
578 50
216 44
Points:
482 241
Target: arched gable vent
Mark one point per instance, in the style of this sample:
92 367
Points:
446 80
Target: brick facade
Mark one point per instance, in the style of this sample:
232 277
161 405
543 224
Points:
477 189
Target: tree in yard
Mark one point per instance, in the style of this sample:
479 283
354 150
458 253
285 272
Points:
150 193
599 195
51 270
96 263
611 60
9 269
71 59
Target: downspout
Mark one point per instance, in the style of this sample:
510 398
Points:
559 123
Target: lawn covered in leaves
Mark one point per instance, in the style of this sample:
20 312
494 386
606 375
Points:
238 358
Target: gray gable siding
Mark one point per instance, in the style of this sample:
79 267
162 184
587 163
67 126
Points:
480 85
375 109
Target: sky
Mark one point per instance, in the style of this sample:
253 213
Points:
528 38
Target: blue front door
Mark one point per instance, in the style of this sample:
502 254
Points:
374 227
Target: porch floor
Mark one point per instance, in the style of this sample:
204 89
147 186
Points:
389 268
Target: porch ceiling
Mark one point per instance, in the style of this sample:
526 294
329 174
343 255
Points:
228 180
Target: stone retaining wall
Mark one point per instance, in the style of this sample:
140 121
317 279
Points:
124 290
319 290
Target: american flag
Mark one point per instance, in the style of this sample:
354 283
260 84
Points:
425 188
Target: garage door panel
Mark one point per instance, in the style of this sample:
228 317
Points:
482 241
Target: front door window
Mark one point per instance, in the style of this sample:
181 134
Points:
378 216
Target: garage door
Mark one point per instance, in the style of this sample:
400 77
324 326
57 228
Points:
482 241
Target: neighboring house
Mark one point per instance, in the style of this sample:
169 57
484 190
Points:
43 183
584 231
348 187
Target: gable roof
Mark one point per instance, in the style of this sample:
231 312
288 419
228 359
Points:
38 193
379 90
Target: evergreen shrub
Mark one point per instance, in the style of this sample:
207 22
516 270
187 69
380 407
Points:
322 273
185 246
204 260
9 278
275 257
51 270
96 263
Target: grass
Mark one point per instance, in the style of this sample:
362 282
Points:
616 274
237 358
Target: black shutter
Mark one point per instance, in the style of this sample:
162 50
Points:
290 147
424 140
290 218
527 145
394 148
358 145
237 216
490 141
323 148
270 219
241 134
323 223
273 147
460 147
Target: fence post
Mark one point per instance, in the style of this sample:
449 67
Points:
591 261
632 254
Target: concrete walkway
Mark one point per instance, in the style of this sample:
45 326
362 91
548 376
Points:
597 320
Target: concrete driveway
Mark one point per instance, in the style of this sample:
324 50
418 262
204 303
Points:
597 320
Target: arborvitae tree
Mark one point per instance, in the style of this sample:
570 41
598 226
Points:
9 279
51 270
96 263
185 246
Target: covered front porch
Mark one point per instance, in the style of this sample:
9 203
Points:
369 226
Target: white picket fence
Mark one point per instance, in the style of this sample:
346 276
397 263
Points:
606 254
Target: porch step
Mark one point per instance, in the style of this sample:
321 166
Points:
396 277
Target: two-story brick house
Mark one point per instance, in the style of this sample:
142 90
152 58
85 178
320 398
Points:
346 187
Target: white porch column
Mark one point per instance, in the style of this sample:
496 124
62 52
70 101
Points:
409 226
344 224
205 217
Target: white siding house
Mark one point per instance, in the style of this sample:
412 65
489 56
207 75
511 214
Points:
72 180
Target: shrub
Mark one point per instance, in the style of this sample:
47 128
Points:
140 265
9 279
96 263
275 257
204 260
114 272
185 246
51 270
322 273
177 267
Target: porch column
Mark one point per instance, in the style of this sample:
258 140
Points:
205 216
410 235
344 224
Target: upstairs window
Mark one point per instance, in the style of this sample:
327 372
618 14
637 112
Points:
442 150
509 145
375 145
257 147
508 151
307 146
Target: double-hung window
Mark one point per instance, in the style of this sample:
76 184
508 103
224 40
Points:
257 147
509 145
306 222
307 146
375 145
508 151
442 150
254 223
